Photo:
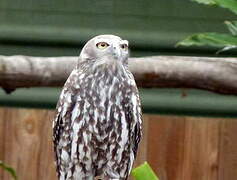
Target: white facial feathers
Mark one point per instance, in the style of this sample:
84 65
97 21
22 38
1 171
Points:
105 46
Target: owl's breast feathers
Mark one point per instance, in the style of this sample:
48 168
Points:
98 120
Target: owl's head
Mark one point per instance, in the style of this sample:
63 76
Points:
105 46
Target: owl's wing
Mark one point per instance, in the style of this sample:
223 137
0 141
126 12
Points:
62 121
135 110
137 115
64 107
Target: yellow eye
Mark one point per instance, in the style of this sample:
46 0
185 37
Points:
102 45
124 47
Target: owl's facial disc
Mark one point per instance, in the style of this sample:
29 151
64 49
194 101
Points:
116 48
120 49
105 47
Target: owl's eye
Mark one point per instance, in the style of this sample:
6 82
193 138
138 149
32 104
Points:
102 45
124 47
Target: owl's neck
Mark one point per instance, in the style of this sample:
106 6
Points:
108 63
107 68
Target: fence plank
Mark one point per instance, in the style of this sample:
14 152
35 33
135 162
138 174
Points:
177 148
228 150
165 146
1 140
27 143
181 148
201 148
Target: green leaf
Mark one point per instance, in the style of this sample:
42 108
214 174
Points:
144 172
227 48
207 2
211 39
232 26
9 169
229 4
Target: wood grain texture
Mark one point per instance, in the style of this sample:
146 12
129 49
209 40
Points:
188 148
27 143
154 71
177 148
2 147
228 150
201 149
165 146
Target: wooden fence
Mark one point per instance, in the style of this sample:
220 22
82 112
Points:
178 148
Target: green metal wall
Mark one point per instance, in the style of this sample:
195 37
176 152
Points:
162 101
60 28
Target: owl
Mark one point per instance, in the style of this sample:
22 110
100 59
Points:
97 127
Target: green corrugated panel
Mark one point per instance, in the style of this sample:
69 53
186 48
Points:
162 101
153 26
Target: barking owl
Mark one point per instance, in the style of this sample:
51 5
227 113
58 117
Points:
97 127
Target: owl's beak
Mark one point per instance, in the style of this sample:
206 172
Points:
116 51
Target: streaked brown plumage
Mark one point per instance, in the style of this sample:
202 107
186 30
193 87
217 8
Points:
97 127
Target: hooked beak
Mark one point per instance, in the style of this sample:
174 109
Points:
116 51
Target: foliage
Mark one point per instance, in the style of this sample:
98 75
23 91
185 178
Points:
228 41
208 2
144 172
8 169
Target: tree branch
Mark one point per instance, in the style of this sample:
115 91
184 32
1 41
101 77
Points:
214 74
